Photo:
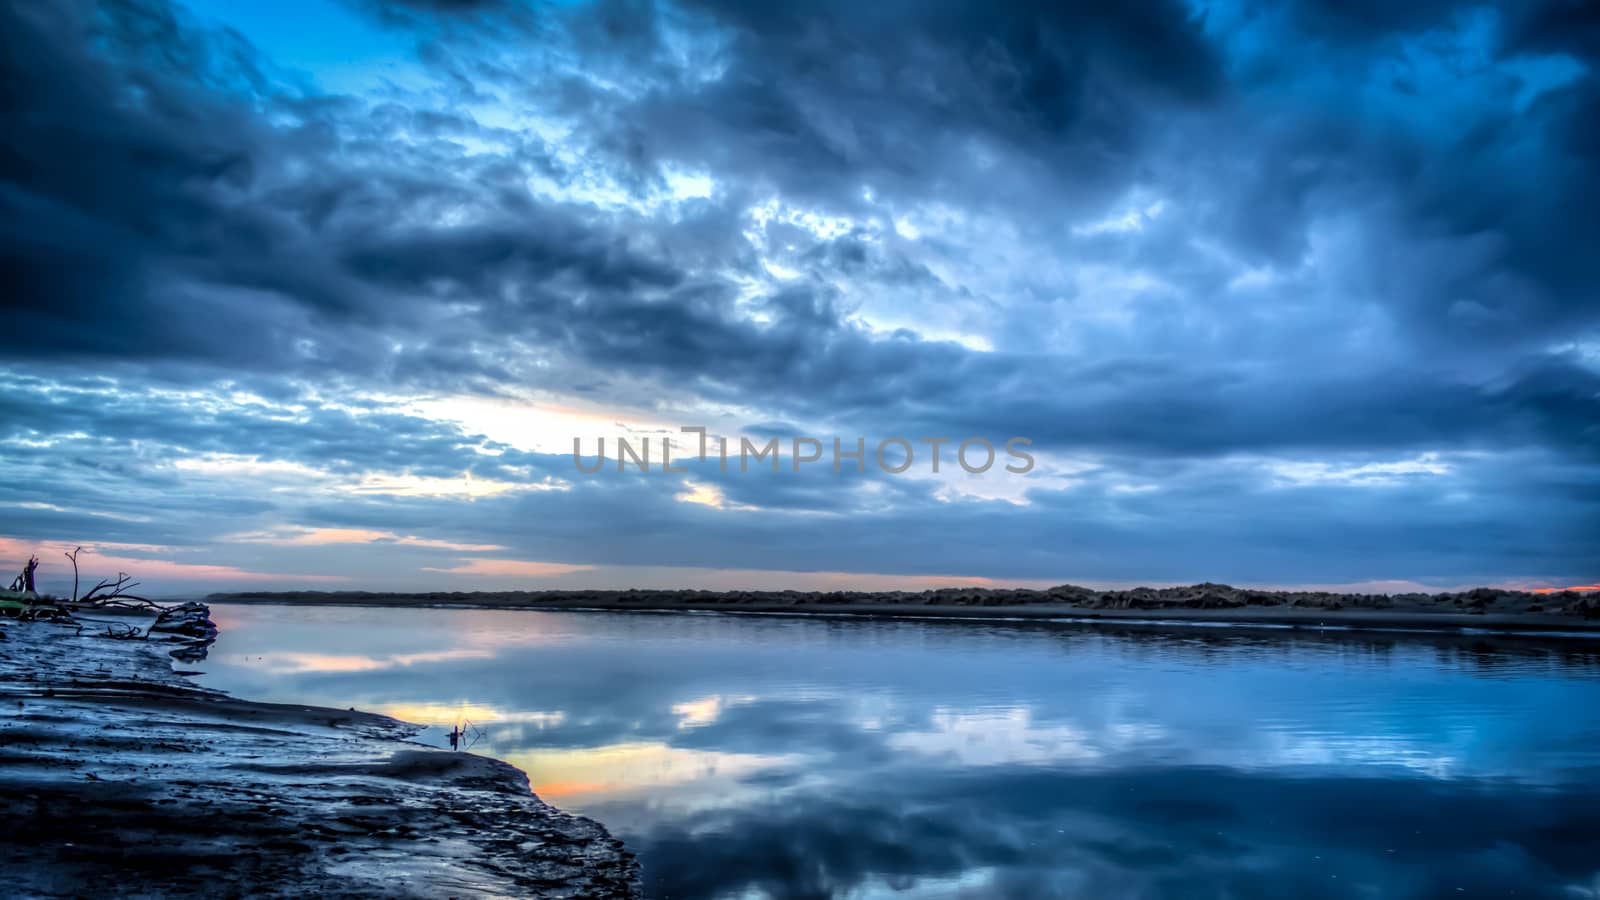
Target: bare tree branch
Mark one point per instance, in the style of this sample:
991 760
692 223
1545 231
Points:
74 557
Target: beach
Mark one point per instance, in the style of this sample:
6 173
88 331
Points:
121 776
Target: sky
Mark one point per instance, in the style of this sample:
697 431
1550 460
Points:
319 295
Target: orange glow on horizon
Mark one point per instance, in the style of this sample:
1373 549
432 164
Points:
94 566
1577 587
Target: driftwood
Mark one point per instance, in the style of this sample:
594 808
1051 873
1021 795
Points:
114 589
188 624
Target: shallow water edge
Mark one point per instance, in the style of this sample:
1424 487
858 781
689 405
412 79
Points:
121 775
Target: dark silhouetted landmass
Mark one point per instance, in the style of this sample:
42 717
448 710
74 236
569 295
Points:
1477 608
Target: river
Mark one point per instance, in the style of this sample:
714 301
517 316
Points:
789 757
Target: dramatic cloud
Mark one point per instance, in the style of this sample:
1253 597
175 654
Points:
1281 293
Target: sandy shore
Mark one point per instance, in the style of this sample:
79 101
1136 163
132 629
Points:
1479 609
120 777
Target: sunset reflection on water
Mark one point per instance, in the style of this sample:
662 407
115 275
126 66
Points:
787 757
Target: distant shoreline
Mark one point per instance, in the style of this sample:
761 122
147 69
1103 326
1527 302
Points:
1205 604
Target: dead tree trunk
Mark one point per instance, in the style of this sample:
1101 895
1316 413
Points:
24 582
74 557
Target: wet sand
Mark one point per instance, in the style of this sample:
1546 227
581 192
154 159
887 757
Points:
120 776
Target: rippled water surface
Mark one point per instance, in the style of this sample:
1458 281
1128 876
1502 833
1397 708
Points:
754 756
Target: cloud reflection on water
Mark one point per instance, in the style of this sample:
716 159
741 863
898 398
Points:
801 758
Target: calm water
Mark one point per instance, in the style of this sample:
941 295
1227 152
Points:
745 756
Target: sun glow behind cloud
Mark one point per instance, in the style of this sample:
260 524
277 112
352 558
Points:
311 537
509 568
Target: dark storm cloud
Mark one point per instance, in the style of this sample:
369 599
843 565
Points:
357 437
195 242
153 213
1560 24
1465 263
1365 20
1189 239
88 462
415 14
1237 524
446 6
1477 214
1571 26
818 99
